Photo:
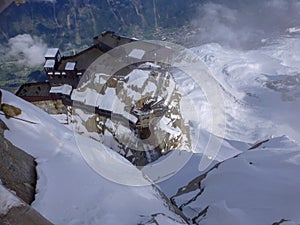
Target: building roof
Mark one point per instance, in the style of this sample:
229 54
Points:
102 43
83 59
107 102
109 40
34 89
51 52
63 89
70 65
137 53
50 63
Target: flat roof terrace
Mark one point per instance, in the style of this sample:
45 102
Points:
35 91
83 59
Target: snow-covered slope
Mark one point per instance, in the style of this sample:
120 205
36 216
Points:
8 200
261 88
180 172
261 96
68 190
260 186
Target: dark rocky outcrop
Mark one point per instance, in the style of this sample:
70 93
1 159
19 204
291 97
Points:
18 174
24 215
9 110
21 214
17 169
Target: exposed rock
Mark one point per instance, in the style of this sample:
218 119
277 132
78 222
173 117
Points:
52 106
18 174
3 127
258 144
17 168
10 110
280 222
147 94
20 213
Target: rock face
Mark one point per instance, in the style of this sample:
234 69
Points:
52 106
17 168
14 211
257 186
83 19
144 119
9 110
18 174
24 215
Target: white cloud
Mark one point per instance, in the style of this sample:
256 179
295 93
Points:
27 50
244 24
